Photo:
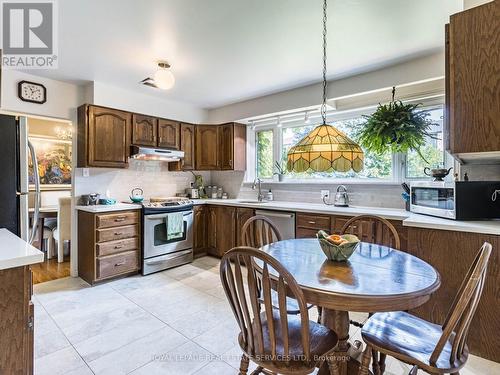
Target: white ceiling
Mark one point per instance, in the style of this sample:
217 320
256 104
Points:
224 51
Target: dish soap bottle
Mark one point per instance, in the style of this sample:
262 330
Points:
269 195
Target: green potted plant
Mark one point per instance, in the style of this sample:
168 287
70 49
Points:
280 171
395 127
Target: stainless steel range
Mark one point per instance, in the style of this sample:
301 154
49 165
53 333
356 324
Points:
160 252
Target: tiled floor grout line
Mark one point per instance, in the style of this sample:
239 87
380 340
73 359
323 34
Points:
62 332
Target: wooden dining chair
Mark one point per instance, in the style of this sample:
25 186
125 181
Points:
436 349
275 341
373 229
259 231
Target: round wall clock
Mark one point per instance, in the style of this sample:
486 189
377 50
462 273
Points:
32 92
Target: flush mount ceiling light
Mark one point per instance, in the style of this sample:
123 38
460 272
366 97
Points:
163 78
325 148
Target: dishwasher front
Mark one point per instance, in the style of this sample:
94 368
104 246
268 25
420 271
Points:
284 221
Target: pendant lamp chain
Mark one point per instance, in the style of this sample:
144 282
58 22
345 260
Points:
323 106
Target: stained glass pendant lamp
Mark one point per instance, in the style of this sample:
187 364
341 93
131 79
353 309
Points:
325 148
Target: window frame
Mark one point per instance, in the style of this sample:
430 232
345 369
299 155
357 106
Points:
399 160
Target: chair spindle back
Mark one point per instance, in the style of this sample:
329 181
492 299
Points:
259 231
373 229
262 325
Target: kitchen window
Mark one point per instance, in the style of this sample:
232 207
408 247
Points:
264 152
272 144
433 151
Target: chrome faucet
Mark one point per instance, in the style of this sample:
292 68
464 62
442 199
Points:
258 182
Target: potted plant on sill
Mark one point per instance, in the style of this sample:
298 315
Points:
395 127
280 171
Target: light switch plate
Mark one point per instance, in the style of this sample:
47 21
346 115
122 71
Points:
85 172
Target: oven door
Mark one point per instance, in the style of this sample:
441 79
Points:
155 235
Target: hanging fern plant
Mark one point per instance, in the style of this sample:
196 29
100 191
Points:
395 127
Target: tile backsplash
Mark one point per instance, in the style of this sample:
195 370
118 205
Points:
151 176
379 195
481 172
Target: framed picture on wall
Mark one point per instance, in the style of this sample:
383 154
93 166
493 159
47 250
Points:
54 162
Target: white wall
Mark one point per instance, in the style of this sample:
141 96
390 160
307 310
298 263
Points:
420 69
474 3
62 98
115 97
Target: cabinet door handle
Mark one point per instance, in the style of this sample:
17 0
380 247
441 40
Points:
119 264
118 246
118 233
119 219
311 222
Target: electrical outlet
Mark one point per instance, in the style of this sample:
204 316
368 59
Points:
85 172
325 194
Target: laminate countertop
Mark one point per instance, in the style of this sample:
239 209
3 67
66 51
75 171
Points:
409 219
15 252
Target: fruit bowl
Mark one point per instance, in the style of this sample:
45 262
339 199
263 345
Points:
338 252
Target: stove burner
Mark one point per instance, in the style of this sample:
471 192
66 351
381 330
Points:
167 203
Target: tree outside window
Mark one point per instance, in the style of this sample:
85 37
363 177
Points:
264 153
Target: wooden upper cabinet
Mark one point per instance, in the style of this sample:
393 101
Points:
187 144
474 80
169 134
226 146
103 137
207 141
232 147
144 130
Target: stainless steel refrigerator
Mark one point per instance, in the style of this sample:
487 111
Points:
16 153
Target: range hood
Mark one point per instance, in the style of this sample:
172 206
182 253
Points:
156 154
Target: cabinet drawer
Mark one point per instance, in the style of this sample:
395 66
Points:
113 247
113 265
305 233
313 221
117 219
117 233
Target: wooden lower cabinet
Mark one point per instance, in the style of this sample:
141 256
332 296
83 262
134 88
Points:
242 215
307 225
452 253
109 244
221 229
200 230
16 321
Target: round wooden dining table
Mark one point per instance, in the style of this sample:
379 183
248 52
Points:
375 279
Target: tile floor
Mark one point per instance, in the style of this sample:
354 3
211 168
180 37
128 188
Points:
174 322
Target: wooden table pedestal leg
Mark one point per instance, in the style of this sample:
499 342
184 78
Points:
345 353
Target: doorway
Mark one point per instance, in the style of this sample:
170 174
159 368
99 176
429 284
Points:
53 146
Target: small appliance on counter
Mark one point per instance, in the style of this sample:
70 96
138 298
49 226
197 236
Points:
193 192
90 199
458 200
341 197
